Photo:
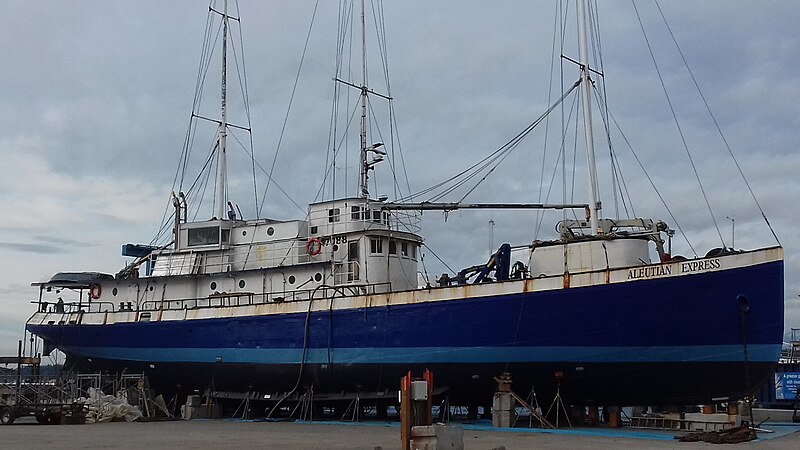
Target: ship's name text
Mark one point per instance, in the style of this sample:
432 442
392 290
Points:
648 272
685 267
697 266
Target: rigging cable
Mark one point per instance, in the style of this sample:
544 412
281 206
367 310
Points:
264 171
716 124
677 124
343 35
561 154
617 181
650 180
289 107
246 99
479 166
380 30
202 70
616 170
539 213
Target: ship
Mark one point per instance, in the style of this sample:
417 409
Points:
332 302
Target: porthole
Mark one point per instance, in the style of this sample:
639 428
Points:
318 277
270 231
213 285
241 284
291 279
244 232
114 292
151 288
335 247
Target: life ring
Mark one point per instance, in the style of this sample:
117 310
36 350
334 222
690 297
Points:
313 246
95 290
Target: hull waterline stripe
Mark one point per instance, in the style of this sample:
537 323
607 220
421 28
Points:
660 354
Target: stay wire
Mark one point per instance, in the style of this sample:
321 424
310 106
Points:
180 172
597 46
246 99
330 158
393 130
716 124
480 165
652 183
248 151
556 23
573 112
289 107
677 124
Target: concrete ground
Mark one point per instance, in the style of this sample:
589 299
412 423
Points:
217 434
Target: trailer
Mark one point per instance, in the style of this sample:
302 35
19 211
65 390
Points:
24 391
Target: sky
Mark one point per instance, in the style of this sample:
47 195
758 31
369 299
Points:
97 97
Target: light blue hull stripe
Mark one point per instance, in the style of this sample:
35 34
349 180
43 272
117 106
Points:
666 354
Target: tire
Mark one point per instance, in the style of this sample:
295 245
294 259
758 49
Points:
42 419
6 416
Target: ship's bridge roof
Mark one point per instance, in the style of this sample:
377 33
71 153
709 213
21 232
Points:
79 280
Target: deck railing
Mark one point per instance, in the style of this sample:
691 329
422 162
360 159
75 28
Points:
71 312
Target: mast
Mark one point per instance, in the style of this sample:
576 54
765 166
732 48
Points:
586 90
222 175
363 187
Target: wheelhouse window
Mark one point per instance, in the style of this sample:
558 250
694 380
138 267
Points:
392 247
333 215
352 250
375 246
226 236
203 236
404 249
355 213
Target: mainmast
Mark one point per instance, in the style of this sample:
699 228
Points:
222 175
586 91
363 187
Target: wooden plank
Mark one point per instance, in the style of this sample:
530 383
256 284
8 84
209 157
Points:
14 360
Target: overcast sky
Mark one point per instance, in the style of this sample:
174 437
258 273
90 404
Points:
96 98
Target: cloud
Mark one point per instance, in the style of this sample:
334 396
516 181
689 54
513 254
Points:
40 249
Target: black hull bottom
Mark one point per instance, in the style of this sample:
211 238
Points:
623 384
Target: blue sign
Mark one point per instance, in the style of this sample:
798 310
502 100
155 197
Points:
786 385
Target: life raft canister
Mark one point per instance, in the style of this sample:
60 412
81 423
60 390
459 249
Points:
95 290
313 246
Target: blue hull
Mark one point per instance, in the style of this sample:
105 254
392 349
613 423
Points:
664 340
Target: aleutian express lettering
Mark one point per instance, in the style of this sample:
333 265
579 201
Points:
695 266
648 272
686 267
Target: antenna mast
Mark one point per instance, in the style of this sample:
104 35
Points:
586 85
222 174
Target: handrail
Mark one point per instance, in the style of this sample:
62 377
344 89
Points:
67 308
223 300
